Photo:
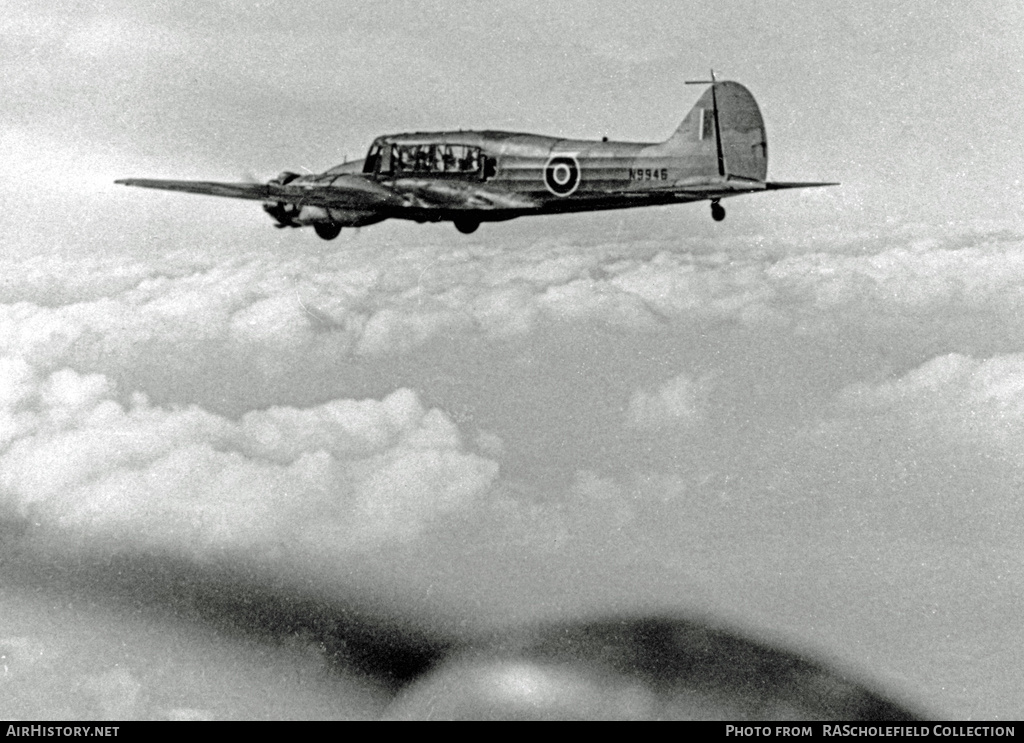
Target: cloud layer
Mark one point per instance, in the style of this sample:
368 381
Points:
569 424
86 349
281 480
60 309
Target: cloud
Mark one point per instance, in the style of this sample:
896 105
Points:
80 337
282 479
73 310
675 403
317 481
961 399
276 320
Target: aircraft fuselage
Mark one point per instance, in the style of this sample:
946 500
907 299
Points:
519 174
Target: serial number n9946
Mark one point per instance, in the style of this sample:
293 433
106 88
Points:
648 174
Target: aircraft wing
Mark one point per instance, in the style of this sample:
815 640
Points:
257 191
346 191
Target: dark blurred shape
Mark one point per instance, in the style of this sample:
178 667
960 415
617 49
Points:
640 668
354 632
628 668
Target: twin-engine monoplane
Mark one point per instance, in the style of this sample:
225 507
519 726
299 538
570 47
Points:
720 150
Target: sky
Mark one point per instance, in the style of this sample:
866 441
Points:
806 421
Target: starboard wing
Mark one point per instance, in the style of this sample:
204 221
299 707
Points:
257 191
340 192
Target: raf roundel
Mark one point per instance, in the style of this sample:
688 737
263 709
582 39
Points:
562 174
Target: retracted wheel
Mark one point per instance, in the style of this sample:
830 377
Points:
717 211
327 231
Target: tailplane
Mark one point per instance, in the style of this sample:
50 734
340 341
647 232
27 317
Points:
723 135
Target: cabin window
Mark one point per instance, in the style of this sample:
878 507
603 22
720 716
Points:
372 159
440 158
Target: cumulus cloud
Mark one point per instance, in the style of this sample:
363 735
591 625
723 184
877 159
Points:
76 311
356 471
807 283
81 450
975 401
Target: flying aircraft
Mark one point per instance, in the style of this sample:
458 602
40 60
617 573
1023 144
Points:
720 150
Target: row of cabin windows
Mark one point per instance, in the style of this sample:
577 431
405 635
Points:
427 158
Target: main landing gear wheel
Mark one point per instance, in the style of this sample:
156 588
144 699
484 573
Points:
327 231
717 211
466 226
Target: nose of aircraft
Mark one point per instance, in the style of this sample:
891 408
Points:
638 669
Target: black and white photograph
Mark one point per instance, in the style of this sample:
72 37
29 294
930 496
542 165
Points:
512 360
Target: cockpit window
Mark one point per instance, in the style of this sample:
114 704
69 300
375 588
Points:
372 159
440 158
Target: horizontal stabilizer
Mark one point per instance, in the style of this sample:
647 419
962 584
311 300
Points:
779 185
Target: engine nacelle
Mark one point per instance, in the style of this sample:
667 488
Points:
342 217
285 214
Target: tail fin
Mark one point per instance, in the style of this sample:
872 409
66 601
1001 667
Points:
723 134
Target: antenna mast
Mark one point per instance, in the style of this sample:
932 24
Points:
714 112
